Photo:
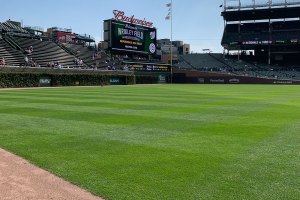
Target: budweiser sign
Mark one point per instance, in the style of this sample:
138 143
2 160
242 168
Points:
120 16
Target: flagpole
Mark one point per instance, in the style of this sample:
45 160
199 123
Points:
171 42
170 17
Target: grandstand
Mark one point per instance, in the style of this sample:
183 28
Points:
218 63
260 40
48 49
267 33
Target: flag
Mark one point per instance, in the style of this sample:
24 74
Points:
168 17
169 5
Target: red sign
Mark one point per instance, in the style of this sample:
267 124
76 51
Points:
120 16
65 37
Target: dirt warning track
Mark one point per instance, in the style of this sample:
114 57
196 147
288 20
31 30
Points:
20 180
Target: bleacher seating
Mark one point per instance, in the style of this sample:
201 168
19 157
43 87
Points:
11 56
82 52
217 63
3 27
182 64
263 70
206 62
10 27
45 52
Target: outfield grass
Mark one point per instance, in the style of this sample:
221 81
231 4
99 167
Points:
161 142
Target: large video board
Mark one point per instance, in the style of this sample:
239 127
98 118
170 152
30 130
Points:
131 37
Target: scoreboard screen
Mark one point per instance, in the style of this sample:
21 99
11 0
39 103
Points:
131 37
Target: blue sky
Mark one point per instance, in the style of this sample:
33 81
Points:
197 22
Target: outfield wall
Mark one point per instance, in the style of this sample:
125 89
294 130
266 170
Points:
14 77
196 77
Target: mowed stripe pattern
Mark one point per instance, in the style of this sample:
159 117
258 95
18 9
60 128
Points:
161 141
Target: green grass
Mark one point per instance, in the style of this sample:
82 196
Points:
161 142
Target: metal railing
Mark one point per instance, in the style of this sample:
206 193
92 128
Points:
87 36
258 4
35 28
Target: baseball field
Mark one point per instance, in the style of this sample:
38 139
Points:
161 141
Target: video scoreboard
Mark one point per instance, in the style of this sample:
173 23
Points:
130 37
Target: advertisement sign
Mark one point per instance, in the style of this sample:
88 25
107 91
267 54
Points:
150 68
65 37
120 16
234 81
45 82
162 79
263 42
115 81
132 37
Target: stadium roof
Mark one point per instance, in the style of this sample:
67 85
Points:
261 14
